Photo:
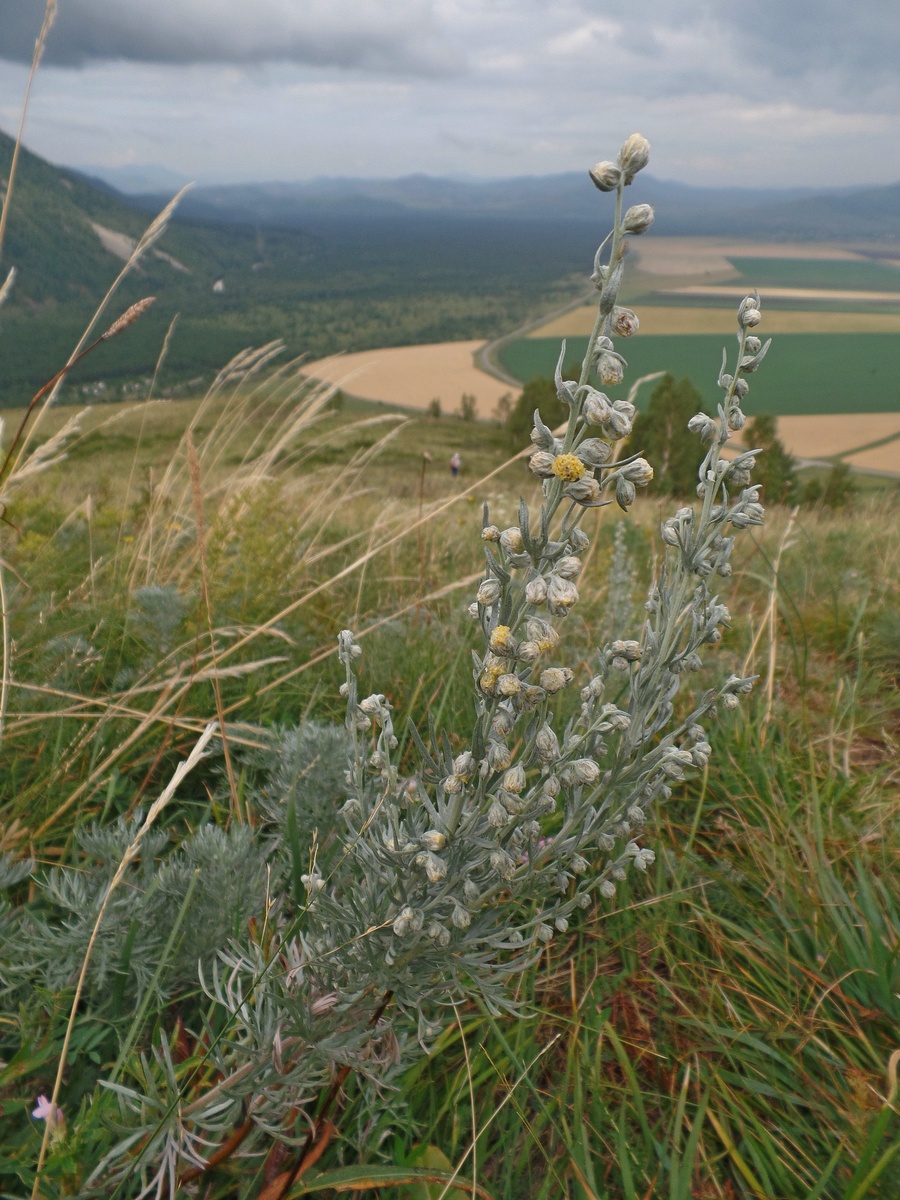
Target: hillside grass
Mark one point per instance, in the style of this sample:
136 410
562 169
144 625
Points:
725 1032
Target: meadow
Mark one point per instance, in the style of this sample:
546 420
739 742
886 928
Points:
723 1031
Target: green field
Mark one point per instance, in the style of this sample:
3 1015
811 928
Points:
805 372
850 274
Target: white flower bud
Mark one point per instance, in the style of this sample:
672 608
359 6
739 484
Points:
610 369
408 920
489 592
471 892
580 866
490 533
561 595
497 815
578 539
511 801
568 567
460 917
503 723
499 757
639 472
561 924
433 840
502 864
435 868
625 322
585 770
704 425
607 889
313 883
638 219
542 632
630 651
464 765
605 176
700 753
644 859
528 652
625 493
541 464
509 685
511 540
543 933
546 744
585 490
619 421
438 933
554 679
633 156
536 590
514 779
597 408
551 786
472 610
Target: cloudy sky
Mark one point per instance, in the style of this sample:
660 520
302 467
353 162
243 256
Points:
729 92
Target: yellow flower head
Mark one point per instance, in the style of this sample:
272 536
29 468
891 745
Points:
500 638
568 467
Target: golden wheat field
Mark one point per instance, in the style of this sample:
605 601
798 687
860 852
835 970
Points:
668 319
880 458
413 376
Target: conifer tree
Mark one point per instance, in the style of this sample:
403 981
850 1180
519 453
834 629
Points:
776 466
661 435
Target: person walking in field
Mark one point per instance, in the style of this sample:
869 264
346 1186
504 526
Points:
455 464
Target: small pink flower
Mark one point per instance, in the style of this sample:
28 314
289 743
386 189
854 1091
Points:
51 1113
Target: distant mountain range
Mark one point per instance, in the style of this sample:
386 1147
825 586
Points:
804 214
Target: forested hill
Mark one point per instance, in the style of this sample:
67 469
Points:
335 284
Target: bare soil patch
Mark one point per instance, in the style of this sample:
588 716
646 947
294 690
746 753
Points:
413 376
709 256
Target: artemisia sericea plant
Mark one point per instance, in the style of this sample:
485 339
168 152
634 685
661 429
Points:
434 885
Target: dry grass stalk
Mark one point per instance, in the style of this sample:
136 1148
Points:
194 468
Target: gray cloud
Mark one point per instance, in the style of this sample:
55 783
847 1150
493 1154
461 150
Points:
378 36
780 91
